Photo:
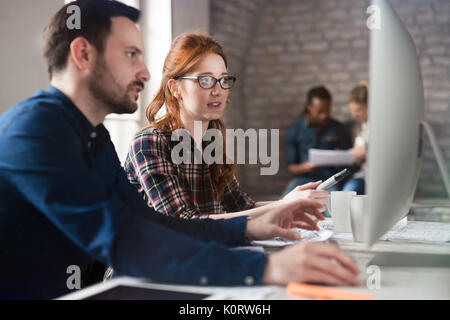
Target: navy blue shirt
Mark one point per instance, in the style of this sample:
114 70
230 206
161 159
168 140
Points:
300 137
65 200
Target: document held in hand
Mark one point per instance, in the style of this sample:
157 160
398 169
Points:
330 157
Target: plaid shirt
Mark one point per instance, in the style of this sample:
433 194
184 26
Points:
181 190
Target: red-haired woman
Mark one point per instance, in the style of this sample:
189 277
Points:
194 89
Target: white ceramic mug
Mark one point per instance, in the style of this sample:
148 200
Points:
339 208
359 207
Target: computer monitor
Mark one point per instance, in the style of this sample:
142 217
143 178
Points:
396 107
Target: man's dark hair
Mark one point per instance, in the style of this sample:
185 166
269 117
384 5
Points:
95 18
319 92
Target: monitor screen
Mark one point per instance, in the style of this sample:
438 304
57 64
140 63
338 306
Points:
396 107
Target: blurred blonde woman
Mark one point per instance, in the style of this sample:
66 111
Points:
358 106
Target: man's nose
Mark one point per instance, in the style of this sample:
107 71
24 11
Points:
144 74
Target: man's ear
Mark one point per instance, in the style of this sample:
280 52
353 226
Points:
174 89
82 53
308 108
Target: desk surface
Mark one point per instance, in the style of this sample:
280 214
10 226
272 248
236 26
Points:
418 283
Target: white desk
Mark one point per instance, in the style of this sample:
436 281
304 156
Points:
395 282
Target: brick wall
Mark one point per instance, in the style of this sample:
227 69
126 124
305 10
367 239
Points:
281 48
234 23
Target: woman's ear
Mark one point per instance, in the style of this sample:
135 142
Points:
173 87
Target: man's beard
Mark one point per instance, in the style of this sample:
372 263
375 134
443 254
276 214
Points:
316 122
107 91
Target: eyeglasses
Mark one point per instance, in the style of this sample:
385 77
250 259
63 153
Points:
209 82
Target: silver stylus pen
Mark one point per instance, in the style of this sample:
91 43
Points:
333 180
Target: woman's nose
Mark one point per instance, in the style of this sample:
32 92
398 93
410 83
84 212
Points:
215 91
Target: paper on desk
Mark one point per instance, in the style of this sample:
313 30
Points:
420 231
404 231
327 224
330 157
248 293
307 235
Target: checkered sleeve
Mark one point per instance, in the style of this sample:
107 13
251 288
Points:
234 199
149 157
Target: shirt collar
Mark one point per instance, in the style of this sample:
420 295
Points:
306 121
88 131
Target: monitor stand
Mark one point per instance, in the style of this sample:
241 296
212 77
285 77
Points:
437 202
421 260
430 203
412 260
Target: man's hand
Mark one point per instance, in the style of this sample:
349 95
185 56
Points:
307 191
309 166
359 154
300 168
310 262
281 216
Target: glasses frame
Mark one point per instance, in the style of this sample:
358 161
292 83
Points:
215 81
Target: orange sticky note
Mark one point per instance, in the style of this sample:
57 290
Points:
322 292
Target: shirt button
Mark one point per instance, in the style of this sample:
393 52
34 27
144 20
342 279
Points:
93 135
249 281
203 281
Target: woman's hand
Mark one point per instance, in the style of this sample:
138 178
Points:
307 191
280 217
303 192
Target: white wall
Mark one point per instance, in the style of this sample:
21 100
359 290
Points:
190 15
156 27
22 67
